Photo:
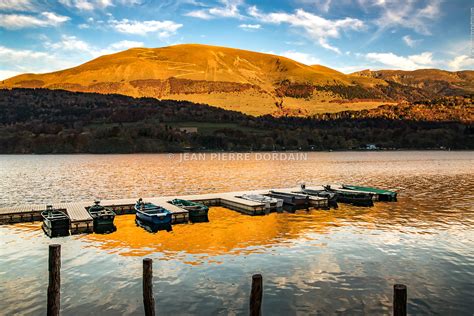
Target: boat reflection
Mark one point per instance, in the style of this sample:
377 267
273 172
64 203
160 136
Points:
152 227
227 232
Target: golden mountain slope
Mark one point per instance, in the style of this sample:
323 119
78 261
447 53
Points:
234 79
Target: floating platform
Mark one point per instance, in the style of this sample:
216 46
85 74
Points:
81 221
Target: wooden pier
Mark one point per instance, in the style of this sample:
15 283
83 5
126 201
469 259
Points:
81 221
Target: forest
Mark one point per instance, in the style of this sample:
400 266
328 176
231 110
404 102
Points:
43 121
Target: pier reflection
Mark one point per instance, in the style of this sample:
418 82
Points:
227 232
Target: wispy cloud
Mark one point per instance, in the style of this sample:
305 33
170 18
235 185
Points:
405 14
410 41
89 5
72 44
164 29
21 21
226 9
250 27
17 5
316 27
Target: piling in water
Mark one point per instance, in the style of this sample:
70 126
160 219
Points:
54 285
256 295
399 300
148 300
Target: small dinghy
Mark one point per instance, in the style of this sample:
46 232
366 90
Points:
271 203
152 214
384 195
352 197
197 212
55 222
331 196
294 200
103 218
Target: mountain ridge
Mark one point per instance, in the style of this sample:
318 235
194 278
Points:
251 82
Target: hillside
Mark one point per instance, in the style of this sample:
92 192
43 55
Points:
56 121
249 82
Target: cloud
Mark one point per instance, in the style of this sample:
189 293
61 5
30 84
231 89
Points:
70 44
461 62
87 5
321 5
20 21
15 61
393 61
163 28
411 42
227 9
5 74
304 58
405 14
248 27
17 5
316 27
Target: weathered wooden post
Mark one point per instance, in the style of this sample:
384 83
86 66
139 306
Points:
256 295
399 300
148 300
54 285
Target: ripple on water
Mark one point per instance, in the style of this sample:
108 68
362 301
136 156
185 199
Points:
347 258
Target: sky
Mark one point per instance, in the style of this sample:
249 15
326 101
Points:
347 35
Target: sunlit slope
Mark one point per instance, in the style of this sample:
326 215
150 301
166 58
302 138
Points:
234 79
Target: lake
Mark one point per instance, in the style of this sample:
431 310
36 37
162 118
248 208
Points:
342 261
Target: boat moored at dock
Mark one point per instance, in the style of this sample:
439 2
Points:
103 218
292 200
355 198
197 212
383 195
271 203
152 214
55 222
331 196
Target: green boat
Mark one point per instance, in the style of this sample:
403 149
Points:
197 212
384 195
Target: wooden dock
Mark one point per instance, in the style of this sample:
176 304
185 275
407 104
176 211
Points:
81 221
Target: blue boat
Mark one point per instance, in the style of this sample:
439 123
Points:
152 214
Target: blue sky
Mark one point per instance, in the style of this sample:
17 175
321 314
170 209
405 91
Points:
348 35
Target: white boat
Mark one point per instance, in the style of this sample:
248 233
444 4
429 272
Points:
270 202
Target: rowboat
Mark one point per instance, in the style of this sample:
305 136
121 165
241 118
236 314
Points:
103 218
270 202
151 213
292 199
355 198
384 195
197 212
55 222
331 196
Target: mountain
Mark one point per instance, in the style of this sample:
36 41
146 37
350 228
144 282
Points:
234 79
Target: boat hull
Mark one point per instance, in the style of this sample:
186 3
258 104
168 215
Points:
55 223
153 228
383 195
153 219
197 212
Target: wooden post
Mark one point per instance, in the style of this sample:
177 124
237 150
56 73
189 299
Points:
399 300
54 286
148 300
256 295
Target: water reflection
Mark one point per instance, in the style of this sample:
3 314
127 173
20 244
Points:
341 261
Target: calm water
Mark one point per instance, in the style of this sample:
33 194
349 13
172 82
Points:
341 261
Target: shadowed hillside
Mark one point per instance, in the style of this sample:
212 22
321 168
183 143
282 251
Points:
56 121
